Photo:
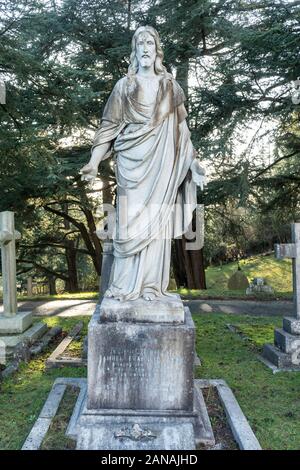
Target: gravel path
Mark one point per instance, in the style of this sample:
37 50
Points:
61 308
72 308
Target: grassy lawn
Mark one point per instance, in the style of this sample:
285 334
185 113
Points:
270 402
277 272
22 395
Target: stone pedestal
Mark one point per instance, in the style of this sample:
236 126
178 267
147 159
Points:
15 324
285 353
169 310
140 392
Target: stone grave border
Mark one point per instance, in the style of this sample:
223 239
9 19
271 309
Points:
238 423
40 428
28 349
57 360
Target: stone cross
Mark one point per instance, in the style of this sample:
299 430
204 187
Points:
292 250
8 236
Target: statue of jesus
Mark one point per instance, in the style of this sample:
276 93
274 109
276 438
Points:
156 170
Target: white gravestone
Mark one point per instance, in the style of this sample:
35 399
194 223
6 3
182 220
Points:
292 250
285 353
10 320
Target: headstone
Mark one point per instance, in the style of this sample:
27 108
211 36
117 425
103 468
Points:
10 320
15 327
172 284
285 353
259 285
8 236
238 281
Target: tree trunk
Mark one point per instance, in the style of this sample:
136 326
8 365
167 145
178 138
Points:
71 255
52 285
188 265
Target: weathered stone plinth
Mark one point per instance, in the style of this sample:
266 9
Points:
285 353
140 366
291 325
15 324
142 430
140 392
9 343
168 310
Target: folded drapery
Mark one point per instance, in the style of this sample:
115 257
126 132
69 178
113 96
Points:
155 193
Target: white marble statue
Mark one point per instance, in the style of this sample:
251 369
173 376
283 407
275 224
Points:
156 170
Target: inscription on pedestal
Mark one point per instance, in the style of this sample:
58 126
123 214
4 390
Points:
140 367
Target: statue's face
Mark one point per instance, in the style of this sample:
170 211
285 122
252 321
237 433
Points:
145 50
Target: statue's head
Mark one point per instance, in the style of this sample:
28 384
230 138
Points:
146 50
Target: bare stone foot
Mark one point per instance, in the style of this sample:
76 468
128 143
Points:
148 296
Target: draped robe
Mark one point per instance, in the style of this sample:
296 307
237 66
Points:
155 192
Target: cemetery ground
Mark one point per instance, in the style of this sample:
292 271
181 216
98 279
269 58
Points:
278 274
228 346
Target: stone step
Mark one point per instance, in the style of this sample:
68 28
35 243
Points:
285 341
35 332
276 357
10 342
291 325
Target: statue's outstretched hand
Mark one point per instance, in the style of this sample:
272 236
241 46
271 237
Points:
88 172
198 174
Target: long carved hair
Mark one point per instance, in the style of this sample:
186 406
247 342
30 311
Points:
159 68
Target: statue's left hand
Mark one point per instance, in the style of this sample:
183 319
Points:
88 172
198 173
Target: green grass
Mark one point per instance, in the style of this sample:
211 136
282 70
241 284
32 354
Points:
226 294
277 272
56 438
270 402
23 395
